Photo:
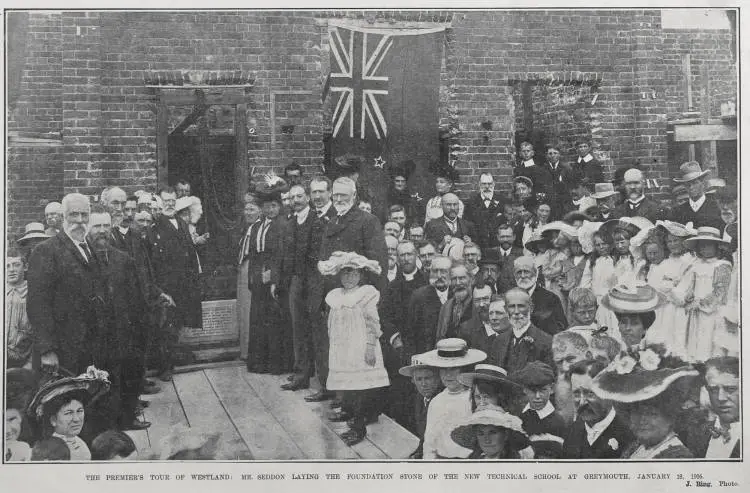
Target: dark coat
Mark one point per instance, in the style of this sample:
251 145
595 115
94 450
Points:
315 281
472 331
502 354
419 332
393 309
360 232
592 170
505 277
64 301
436 229
485 219
708 215
175 264
559 179
446 327
647 208
576 445
271 259
132 244
548 312
539 177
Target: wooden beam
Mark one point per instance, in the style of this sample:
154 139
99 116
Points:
240 136
162 140
701 133
189 96
686 71
198 111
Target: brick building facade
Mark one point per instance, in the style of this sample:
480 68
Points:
83 111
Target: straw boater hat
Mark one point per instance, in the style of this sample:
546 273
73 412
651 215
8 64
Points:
465 434
452 353
416 364
31 231
640 375
640 298
705 233
94 383
489 373
524 179
603 190
344 260
676 229
691 171
536 241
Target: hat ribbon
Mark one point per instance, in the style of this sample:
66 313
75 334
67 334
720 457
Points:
451 353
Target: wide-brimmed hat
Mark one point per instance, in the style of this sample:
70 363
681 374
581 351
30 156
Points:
631 224
715 184
416 364
443 170
452 353
547 445
94 383
640 375
524 179
560 226
33 230
690 171
465 433
489 373
634 298
534 374
535 241
344 260
182 203
405 169
270 188
586 235
454 248
705 233
675 228
604 190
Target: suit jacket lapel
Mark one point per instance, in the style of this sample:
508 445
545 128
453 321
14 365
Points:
68 242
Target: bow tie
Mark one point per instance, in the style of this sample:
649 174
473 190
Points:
721 431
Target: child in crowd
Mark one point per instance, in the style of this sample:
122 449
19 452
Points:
453 405
599 273
583 309
113 445
426 380
540 420
604 347
355 357
624 260
50 449
490 386
16 321
558 262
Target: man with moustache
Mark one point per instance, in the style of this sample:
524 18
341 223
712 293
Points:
119 340
478 332
598 431
637 204
458 309
306 259
449 225
175 264
558 176
472 257
524 343
418 334
506 253
548 312
63 296
53 216
700 209
485 210
606 202
427 252
393 309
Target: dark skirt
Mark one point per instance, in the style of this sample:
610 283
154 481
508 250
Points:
270 348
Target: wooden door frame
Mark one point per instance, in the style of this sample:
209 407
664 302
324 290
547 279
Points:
203 96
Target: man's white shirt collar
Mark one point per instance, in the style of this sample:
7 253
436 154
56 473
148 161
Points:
487 196
442 295
542 413
638 200
488 329
697 204
595 431
586 158
410 277
123 231
324 210
529 163
392 273
302 215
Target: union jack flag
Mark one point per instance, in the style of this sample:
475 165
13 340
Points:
354 67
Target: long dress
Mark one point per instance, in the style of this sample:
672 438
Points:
352 318
600 279
708 282
554 272
670 326
731 311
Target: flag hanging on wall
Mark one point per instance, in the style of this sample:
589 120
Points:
384 93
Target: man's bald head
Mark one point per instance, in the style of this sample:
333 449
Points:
450 205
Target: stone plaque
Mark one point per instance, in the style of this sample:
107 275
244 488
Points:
219 325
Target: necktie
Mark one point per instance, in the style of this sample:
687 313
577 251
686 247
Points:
320 213
86 251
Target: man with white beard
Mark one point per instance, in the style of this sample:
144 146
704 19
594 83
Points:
548 312
524 343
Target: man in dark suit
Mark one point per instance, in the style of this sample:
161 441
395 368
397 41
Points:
321 213
558 177
506 253
548 313
458 309
485 210
64 294
587 164
528 166
477 331
637 204
598 431
175 264
524 343
439 231
427 384
418 333
700 209
606 197
393 308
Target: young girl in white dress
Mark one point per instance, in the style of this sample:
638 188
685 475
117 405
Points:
355 358
706 285
599 276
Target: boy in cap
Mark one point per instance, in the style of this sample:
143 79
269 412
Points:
426 380
546 429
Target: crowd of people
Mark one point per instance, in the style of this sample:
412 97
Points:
571 318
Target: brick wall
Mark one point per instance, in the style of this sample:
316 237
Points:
84 76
